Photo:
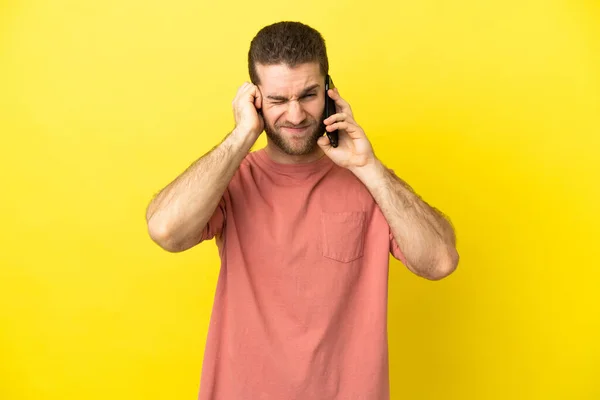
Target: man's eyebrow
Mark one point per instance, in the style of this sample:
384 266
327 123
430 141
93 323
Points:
309 89
303 93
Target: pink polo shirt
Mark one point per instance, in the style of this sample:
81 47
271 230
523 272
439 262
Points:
300 310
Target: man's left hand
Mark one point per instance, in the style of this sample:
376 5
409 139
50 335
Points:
354 149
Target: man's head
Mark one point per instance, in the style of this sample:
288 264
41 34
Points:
288 62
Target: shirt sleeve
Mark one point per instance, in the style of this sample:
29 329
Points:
216 223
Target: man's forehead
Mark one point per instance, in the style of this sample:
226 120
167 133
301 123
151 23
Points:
283 79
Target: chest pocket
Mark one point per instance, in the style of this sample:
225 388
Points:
343 235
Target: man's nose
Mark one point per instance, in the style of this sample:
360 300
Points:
295 113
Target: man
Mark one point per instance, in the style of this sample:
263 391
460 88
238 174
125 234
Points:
304 232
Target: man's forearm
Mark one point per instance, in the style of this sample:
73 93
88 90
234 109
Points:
179 213
424 235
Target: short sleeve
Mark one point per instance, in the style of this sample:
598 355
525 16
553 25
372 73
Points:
216 223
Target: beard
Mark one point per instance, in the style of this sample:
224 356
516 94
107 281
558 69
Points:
296 148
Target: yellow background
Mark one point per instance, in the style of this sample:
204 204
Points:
489 109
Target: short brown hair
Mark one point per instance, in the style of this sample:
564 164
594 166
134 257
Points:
287 42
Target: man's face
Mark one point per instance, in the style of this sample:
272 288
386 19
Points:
293 101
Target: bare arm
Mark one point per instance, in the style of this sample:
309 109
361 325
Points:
177 216
424 235
179 213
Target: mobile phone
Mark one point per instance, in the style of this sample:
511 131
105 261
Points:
329 111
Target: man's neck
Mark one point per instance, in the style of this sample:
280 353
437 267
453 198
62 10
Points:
279 156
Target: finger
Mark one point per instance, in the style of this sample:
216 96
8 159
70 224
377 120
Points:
342 104
240 92
243 88
249 93
323 142
338 117
344 125
353 131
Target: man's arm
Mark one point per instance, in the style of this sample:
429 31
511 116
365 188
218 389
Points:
424 235
177 215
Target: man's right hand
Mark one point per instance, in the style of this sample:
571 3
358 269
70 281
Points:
178 216
247 102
